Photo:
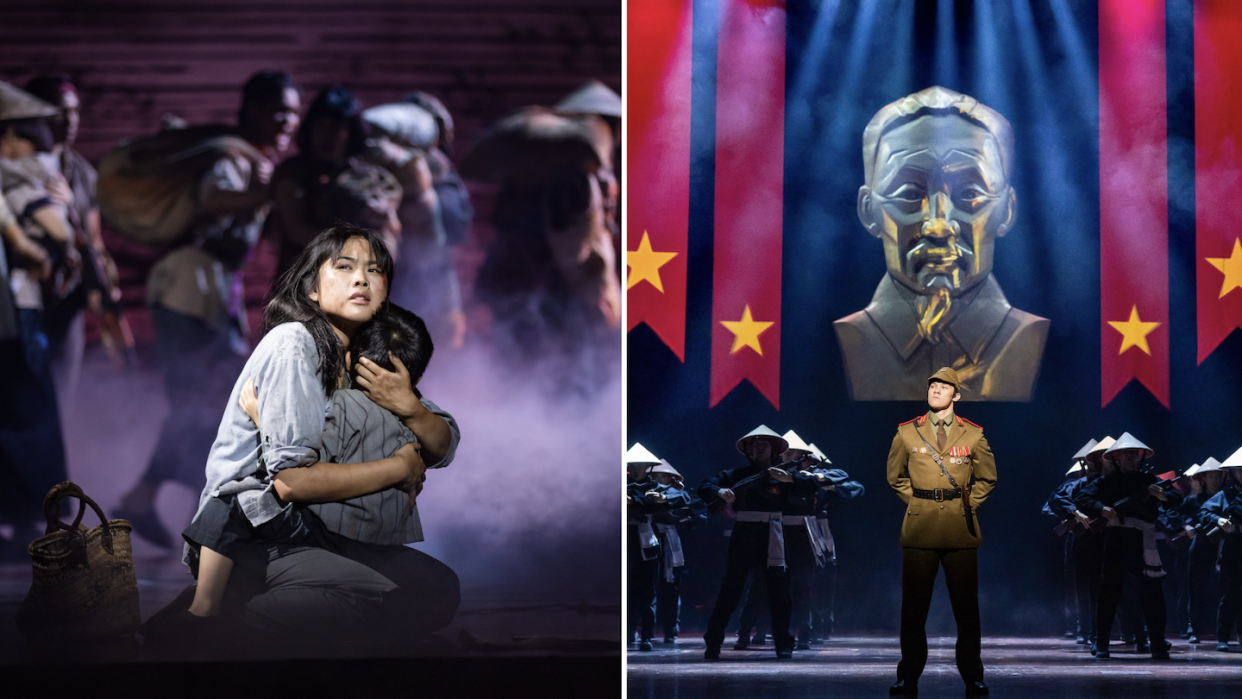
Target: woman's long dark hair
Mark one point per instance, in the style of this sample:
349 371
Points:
291 302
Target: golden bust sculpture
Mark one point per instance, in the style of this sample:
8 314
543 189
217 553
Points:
937 194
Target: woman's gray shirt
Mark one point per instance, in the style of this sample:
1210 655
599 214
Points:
292 410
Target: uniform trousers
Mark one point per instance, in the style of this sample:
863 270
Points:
1230 608
1123 556
748 550
800 558
1073 625
961 578
1203 585
823 592
642 585
668 603
1088 556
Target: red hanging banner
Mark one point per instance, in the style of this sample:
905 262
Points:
1134 207
658 169
750 163
1218 171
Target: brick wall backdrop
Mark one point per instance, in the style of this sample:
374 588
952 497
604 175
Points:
136 60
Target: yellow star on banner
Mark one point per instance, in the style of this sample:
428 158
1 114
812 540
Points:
746 331
644 264
1133 332
1231 266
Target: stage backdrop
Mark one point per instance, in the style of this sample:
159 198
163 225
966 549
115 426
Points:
1115 245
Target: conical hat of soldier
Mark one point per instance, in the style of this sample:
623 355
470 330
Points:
1234 460
1128 441
1194 468
1208 466
1076 468
592 98
795 442
1097 452
666 467
819 454
762 432
638 454
19 104
1086 449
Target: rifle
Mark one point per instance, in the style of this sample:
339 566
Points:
751 482
1216 532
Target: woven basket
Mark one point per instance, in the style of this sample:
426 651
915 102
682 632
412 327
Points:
84 585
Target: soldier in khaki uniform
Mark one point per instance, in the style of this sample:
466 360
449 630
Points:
942 468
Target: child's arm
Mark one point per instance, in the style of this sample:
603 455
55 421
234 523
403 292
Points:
327 482
391 390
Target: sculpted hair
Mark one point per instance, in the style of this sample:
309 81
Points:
291 302
398 331
935 100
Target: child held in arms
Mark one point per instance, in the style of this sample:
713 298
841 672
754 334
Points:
356 430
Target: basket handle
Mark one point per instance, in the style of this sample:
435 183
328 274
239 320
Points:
51 510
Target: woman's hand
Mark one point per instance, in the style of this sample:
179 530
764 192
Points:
415 469
390 390
249 401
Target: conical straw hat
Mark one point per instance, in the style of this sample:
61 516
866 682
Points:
1086 449
19 104
638 454
1129 441
762 432
795 442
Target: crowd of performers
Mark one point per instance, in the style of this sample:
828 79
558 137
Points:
1148 549
204 196
781 542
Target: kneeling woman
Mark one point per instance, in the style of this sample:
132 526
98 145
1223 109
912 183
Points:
338 284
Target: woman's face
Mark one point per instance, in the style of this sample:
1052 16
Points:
351 288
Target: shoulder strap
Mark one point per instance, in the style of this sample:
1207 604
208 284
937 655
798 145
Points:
936 457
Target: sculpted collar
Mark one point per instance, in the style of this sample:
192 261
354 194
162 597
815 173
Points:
983 310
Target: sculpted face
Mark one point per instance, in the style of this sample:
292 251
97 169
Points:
939 199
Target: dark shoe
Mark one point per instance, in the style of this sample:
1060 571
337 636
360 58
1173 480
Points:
712 653
1101 654
670 639
1142 648
147 525
1222 647
1160 649
784 654
976 688
1193 639
904 688
743 643
803 645
645 645
760 639
1081 640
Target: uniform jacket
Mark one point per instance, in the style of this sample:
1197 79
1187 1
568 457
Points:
768 496
940 525
1108 489
1060 504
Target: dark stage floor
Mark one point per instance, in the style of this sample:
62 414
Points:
498 640
865 667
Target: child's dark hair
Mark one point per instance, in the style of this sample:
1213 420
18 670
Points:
400 332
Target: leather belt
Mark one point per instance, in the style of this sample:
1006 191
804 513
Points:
939 494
